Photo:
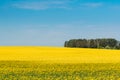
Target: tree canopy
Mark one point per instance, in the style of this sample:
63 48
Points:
107 43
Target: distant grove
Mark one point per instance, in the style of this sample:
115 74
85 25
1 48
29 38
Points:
107 43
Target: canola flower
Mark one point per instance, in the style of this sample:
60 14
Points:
59 54
31 70
54 63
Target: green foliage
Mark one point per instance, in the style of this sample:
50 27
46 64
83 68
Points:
107 43
26 70
107 47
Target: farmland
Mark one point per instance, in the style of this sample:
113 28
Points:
56 63
59 54
26 70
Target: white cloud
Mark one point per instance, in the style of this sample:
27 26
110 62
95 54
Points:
94 5
42 5
53 4
115 7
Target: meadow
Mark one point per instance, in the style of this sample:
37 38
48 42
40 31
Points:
52 63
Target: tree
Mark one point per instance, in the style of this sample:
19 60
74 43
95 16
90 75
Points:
93 43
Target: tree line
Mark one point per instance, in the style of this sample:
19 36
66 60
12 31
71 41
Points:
107 43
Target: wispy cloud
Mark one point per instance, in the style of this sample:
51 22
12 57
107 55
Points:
93 5
115 7
42 5
54 4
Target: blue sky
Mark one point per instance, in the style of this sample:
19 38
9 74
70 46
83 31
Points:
51 22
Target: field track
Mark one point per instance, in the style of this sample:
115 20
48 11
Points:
58 54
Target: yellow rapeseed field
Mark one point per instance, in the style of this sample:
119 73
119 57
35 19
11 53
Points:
57 63
59 54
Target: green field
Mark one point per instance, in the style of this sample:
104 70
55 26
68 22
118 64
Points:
29 70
